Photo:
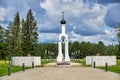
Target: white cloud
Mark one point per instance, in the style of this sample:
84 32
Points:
81 19
2 14
108 38
77 13
50 37
113 15
85 21
12 7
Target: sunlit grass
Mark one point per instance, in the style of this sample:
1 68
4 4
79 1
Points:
115 68
4 68
46 61
81 61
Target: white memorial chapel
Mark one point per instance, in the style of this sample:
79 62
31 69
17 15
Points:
63 53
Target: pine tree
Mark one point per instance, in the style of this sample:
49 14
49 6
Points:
29 34
16 24
13 35
1 42
101 48
118 36
8 40
1 33
23 38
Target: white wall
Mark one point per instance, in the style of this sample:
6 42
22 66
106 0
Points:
18 61
101 60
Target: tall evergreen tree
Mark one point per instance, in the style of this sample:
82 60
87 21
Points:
2 53
101 48
24 38
1 34
9 39
13 35
29 34
16 24
118 36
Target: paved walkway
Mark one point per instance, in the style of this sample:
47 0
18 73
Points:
63 73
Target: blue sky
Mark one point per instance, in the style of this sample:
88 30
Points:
87 20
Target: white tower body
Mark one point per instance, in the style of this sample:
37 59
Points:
63 39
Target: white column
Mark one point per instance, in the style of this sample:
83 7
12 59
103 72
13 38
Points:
59 58
60 47
67 58
63 28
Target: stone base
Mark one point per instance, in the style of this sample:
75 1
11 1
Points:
63 63
101 60
19 60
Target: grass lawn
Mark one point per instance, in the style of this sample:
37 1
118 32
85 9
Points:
45 61
81 61
4 68
115 68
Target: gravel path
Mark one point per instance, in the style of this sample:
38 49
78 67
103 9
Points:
63 73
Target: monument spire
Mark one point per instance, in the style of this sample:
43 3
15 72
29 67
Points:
63 20
63 56
62 15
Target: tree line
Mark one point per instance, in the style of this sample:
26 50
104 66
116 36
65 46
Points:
20 38
79 49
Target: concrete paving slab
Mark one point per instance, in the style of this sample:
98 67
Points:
63 73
